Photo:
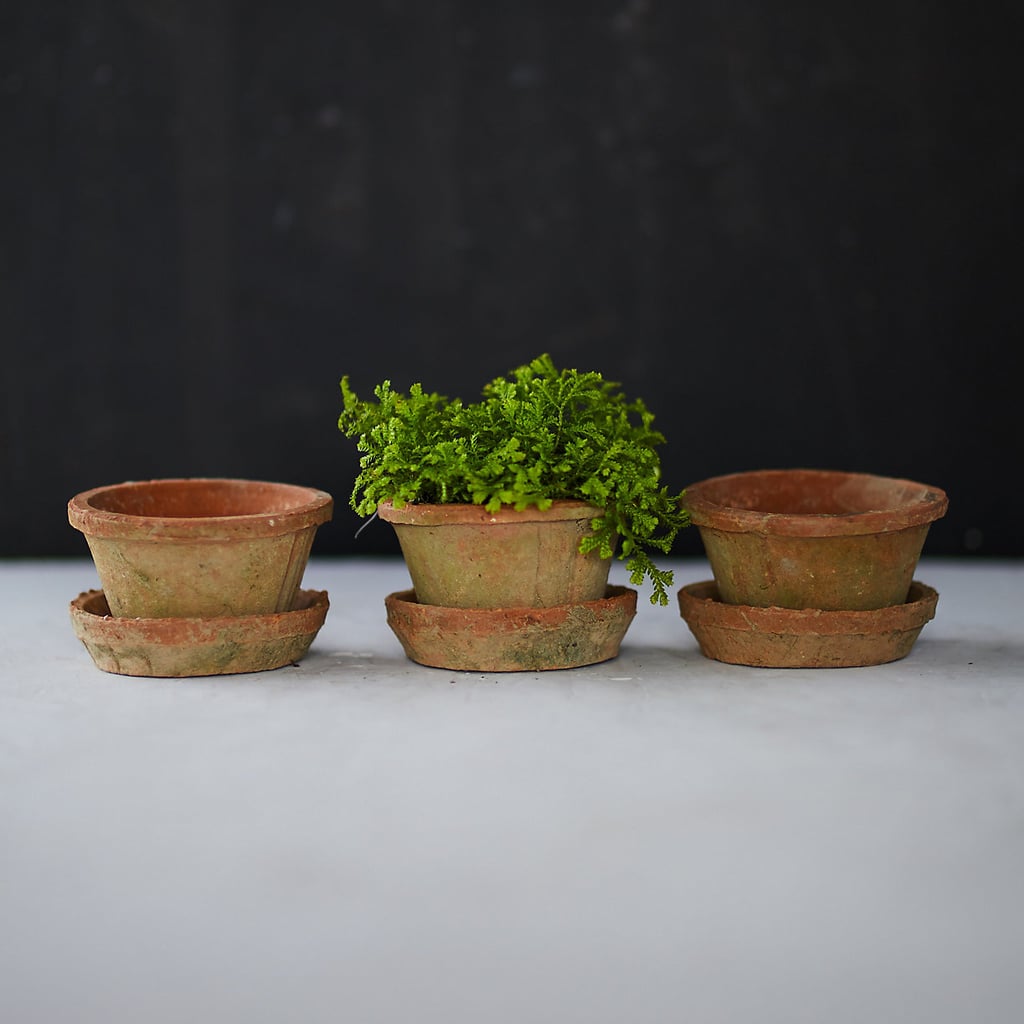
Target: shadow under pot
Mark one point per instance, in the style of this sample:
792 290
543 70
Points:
803 538
199 548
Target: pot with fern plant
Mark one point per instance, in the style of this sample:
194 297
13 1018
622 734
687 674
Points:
508 511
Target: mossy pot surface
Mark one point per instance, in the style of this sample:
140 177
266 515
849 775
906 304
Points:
199 548
805 538
512 639
462 556
181 647
804 637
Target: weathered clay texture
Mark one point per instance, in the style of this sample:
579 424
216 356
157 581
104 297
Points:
462 556
807 637
512 639
799 538
199 548
178 647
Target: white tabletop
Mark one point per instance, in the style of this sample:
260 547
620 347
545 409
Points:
658 838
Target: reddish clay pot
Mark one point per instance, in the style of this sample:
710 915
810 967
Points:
181 647
804 637
800 538
462 556
512 639
199 548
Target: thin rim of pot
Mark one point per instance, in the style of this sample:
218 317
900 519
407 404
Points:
456 513
296 508
915 504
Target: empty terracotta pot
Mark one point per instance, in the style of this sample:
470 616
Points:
199 548
462 556
804 538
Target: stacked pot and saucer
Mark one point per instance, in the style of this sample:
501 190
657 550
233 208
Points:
504 591
812 568
198 576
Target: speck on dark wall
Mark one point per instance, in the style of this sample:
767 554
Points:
793 232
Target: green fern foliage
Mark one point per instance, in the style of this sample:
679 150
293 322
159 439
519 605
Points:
536 435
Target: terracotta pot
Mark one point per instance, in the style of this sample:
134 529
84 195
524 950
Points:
801 538
199 548
804 637
512 639
462 556
197 647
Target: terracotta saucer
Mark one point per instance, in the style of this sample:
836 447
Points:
804 637
196 647
511 639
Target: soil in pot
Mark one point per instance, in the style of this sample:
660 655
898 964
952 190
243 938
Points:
199 548
799 538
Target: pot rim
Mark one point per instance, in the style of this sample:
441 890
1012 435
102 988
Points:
465 514
922 506
311 508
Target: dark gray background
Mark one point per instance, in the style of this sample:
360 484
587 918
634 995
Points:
792 228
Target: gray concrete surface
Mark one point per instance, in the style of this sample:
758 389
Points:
661 838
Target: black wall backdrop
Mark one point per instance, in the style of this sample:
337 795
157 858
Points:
791 228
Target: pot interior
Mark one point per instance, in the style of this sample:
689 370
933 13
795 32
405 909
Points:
811 492
173 499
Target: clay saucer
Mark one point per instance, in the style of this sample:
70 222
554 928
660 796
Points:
804 637
511 639
178 647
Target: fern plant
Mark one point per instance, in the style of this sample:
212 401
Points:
538 435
